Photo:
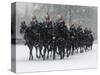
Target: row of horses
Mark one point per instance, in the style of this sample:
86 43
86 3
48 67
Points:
55 38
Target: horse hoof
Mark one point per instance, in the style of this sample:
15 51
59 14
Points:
39 57
61 58
43 57
67 55
72 53
47 58
30 59
53 58
81 51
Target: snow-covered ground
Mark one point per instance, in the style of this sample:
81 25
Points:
77 61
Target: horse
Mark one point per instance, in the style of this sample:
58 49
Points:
29 37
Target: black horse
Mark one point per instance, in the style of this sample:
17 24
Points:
27 37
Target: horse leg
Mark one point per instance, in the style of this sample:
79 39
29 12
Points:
57 51
40 51
60 53
77 50
30 53
86 48
68 48
67 51
48 54
36 52
91 45
53 55
63 52
72 50
44 53
31 56
54 51
81 51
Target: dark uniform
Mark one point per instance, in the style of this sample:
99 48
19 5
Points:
47 36
60 36
34 25
72 38
80 38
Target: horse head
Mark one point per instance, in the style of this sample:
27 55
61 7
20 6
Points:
23 27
